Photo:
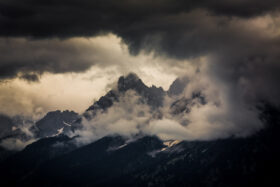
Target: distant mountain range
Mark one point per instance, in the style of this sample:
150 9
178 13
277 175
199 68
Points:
55 159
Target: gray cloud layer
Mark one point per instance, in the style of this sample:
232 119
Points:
38 56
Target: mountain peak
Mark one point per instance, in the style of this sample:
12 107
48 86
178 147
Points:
132 76
153 95
178 86
131 81
52 121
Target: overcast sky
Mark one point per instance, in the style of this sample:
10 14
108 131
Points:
65 54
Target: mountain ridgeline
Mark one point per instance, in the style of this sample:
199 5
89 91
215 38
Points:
57 160
153 96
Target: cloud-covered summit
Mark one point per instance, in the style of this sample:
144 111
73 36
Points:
132 109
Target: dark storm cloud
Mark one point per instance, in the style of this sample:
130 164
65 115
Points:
28 59
166 25
87 17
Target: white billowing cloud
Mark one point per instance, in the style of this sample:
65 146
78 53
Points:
167 129
127 117
225 114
